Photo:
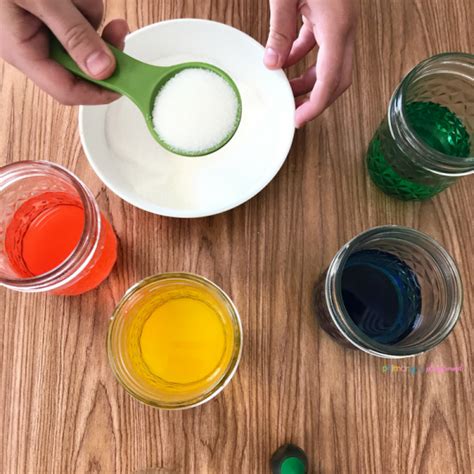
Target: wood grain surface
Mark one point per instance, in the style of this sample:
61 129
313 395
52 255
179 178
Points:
61 409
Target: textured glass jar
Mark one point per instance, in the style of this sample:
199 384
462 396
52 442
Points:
127 324
426 141
439 283
94 255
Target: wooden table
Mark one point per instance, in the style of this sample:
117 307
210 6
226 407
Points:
63 411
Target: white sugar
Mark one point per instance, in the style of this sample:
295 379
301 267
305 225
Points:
195 110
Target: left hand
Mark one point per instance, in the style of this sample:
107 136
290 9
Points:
327 24
25 27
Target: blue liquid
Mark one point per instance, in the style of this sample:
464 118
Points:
381 294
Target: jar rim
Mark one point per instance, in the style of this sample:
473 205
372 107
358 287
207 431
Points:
84 250
341 319
435 161
230 369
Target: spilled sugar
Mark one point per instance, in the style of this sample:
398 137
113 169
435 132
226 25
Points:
195 110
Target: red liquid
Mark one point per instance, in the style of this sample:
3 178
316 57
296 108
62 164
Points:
45 230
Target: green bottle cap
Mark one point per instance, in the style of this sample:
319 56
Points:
289 459
292 466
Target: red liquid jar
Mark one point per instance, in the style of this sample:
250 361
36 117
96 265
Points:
53 237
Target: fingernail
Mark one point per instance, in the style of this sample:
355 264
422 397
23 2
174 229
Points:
270 58
98 62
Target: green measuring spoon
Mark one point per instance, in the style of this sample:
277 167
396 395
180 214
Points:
141 82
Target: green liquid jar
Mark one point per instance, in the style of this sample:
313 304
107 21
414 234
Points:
426 142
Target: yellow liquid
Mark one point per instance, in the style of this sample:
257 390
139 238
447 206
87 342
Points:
179 340
183 341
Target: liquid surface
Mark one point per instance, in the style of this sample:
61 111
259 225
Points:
381 295
179 341
43 233
183 341
195 110
438 127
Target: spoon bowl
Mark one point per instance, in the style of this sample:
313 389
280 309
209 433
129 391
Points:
141 83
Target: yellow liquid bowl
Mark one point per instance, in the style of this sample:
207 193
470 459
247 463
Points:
174 340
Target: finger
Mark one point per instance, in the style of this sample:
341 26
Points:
303 84
301 116
115 33
282 32
64 86
300 100
328 72
302 46
346 75
93 11
79 38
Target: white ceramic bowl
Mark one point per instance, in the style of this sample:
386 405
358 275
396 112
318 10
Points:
124 155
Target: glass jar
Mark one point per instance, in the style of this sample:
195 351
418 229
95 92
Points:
30 192
438 288
426 142
156 350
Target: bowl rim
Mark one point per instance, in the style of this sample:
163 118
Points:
144 204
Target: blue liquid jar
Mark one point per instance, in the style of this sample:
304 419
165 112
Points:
391 291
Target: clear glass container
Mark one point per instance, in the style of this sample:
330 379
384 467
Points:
42 185
439 286
128 355
426 141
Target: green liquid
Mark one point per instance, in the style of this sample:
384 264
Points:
439 128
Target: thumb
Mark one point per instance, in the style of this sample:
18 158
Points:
282 32
79 38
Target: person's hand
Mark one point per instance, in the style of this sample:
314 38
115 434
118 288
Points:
330 26
24 42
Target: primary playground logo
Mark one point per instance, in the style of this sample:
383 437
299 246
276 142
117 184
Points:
430 369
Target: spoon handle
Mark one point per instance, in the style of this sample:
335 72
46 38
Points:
133 78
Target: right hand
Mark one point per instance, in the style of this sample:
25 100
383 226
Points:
328 26
24 43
